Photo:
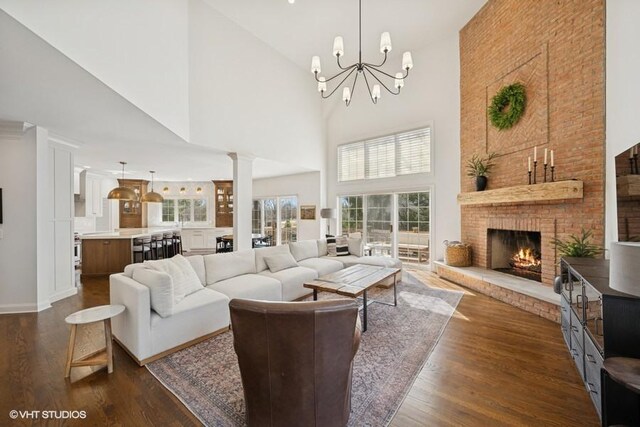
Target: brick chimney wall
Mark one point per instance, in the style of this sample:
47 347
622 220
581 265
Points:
556 48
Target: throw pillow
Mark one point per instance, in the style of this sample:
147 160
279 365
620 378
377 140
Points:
331 245
280 262
160 289
185 279
342 246
355 246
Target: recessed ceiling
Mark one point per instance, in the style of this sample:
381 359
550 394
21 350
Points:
307 27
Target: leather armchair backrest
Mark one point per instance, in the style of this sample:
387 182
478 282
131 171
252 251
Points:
295 360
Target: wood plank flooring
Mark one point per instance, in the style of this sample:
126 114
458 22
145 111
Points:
494 365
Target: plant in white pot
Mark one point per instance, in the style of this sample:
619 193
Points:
478 167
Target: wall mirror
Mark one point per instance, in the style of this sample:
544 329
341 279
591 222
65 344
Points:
628 194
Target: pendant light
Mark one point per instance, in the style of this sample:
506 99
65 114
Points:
152 196
121 192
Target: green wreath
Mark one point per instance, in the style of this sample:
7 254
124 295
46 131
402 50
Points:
507 106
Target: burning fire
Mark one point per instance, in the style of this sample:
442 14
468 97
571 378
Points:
526 258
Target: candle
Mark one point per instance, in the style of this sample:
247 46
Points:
529 163
545 156
535 154
551 158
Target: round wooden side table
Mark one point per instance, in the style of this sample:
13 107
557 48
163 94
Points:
104 356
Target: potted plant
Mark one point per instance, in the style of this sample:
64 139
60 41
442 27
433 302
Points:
478 167
578 246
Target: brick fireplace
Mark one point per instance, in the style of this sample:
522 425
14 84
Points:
561 63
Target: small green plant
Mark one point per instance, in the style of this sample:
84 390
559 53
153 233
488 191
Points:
480 166
578 246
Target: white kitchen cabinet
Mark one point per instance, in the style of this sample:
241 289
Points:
89 202
198 240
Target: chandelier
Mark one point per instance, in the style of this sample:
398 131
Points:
362 68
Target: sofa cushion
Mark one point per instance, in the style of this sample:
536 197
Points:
322 247
250 286
280 262
355 246
185 279
292 280
160 289
304 249
200 313
197 262
379 261
323 266
224 266
261 253
129 269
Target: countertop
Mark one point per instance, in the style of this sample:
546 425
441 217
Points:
134 233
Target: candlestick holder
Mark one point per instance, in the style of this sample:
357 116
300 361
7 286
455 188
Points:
529 177
535 170
553 178
631 162
545 173
635 162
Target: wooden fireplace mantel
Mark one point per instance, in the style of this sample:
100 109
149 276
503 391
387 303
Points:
559 190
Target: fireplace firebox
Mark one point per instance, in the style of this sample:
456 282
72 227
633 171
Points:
516 252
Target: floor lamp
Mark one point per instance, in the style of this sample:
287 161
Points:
328 214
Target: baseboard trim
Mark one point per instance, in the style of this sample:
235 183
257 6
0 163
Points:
24 308
63 294
171 350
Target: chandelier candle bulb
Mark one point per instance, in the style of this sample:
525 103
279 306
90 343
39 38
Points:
315 64
338 46
375 93
399 81
385 42
322 84
407 61
346 94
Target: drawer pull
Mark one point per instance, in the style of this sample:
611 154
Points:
574 328
592 388
106 242
590 358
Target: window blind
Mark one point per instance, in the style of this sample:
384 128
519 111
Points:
404 153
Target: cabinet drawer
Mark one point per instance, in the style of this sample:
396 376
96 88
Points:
593 363
575 326
577 354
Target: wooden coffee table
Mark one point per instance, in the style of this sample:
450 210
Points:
354 282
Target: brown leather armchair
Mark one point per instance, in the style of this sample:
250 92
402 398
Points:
295 360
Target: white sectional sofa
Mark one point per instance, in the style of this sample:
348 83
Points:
147 336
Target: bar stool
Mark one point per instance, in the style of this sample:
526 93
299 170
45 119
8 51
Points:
142 247
167 244
177 243
157 246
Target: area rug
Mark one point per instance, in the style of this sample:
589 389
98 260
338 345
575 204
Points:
398 341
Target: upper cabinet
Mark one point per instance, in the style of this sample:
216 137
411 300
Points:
223 196
88 195
133 213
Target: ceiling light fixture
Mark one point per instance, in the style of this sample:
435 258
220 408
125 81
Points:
152 196
199 190
362 68
121 192
183 190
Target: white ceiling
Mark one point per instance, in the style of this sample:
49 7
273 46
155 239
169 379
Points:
308 27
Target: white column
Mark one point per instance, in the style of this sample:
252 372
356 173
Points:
242 200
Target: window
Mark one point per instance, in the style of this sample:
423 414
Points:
351 214
404 153
168 210
184 210
288 220
276 218
413 212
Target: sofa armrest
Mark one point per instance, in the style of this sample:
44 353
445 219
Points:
133 327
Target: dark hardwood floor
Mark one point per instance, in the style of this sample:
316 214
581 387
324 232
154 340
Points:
494 365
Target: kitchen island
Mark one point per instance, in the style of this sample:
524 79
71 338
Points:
109 252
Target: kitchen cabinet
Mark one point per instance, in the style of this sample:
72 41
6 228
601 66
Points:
88 202
133 213
202 238
223 197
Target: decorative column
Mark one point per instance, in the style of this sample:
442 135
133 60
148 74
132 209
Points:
242 200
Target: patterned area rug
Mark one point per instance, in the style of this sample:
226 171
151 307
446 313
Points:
206 378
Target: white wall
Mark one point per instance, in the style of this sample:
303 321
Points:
245 97
431 95
623 93
307 187
136 47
